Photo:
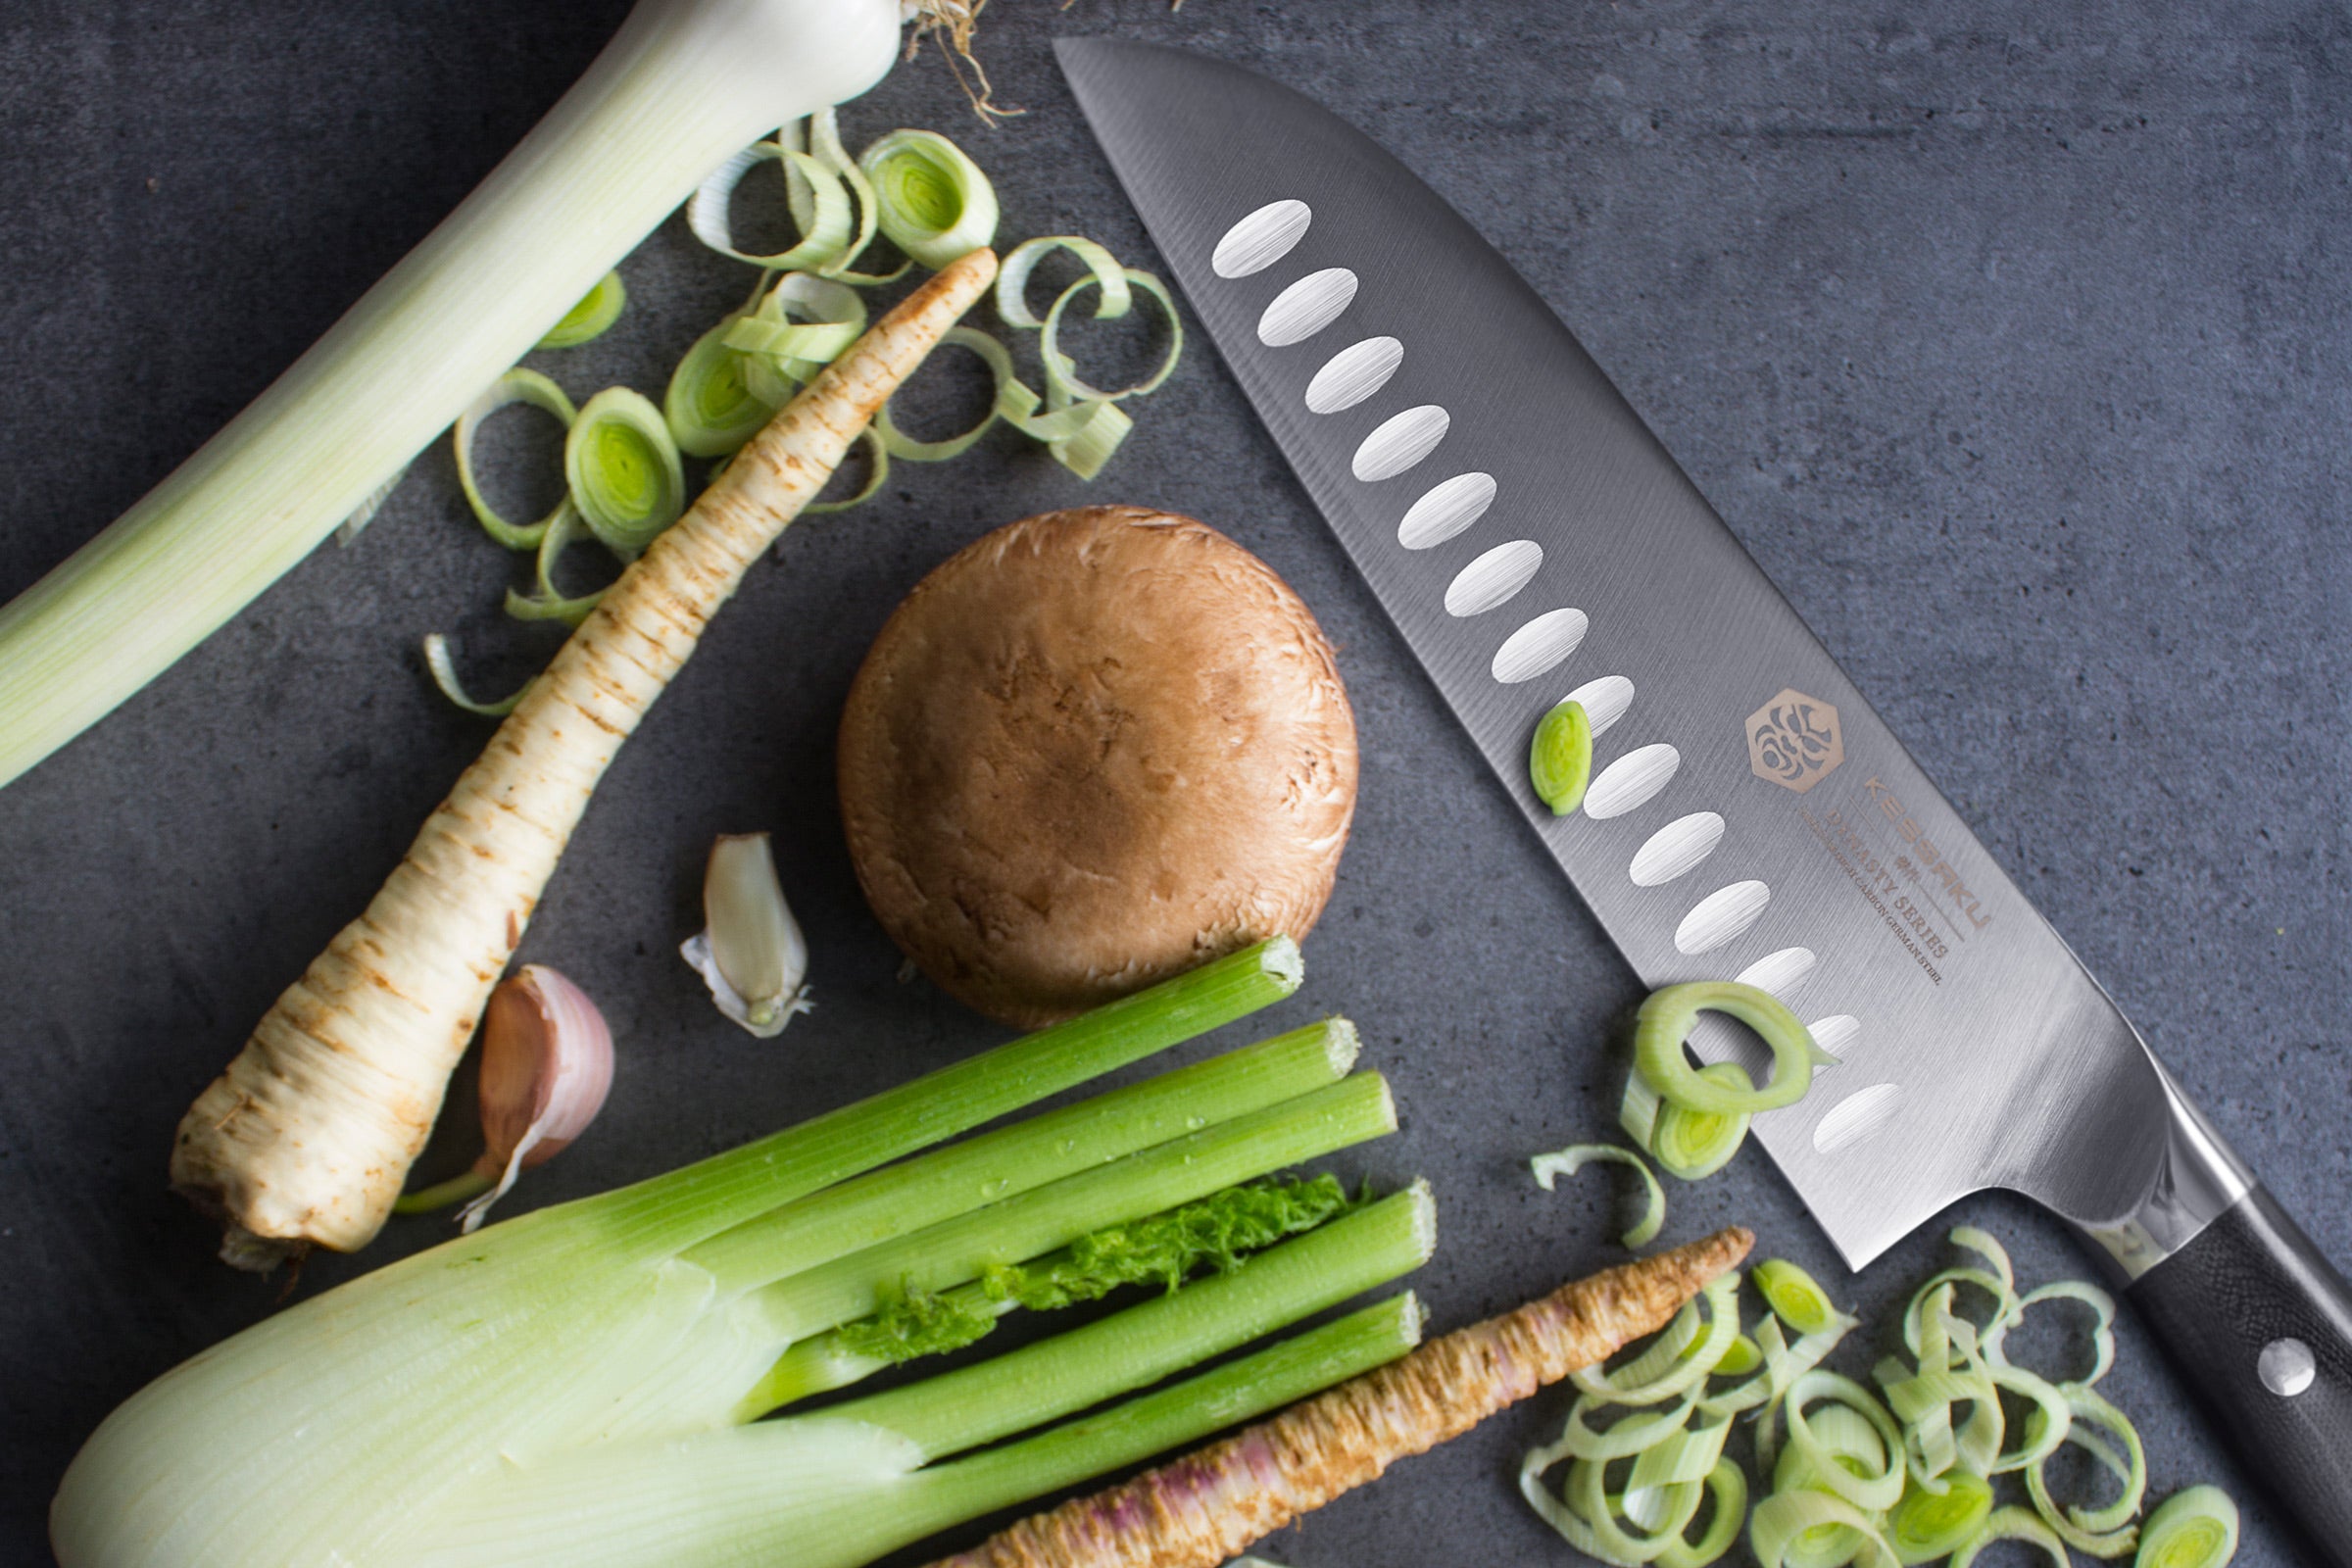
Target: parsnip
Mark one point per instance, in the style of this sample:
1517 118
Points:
1201 1510
307 1138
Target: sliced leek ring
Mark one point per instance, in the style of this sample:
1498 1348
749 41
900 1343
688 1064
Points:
624 471
522 386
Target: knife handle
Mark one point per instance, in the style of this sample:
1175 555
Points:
2260 1325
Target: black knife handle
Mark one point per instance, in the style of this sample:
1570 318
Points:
2261 1326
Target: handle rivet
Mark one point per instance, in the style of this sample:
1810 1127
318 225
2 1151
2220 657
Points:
2286 1367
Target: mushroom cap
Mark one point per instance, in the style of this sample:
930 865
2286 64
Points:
1090 751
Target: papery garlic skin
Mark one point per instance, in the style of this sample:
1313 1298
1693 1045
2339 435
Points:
547 1065
751 953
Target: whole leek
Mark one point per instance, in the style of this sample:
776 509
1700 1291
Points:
684 85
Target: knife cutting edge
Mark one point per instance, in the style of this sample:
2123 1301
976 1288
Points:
1749 814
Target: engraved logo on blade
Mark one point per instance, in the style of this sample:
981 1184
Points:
1794 741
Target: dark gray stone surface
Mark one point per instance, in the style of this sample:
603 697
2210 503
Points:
2012 343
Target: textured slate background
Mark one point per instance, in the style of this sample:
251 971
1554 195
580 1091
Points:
2012 344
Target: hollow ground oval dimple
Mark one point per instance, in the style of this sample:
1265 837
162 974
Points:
1604 700
1400 441
1260 239
1860 1115
1539 645
1494 577
1306 306
1353 374
1779 972
1676 850
1631 780
1836 1033
1722 917
1445 508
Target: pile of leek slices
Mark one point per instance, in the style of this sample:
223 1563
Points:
624 458
1903 1475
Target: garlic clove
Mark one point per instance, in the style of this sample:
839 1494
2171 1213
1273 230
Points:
751 953
547 1065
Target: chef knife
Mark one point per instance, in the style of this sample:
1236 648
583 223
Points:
1750 817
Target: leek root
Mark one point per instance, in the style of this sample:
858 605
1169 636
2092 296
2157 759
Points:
1203 1508
306 1139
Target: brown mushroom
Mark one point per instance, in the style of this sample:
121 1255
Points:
1091 749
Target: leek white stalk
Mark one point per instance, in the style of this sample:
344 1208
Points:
684 84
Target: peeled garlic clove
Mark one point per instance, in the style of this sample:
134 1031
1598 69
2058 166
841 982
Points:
547 1064
751 953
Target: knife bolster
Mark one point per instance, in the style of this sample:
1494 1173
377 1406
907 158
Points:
2200 1179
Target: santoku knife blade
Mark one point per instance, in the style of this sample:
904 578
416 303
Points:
1749 815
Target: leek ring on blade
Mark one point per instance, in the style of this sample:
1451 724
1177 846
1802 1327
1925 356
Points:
1685 1144
825 224
932 201
1667 1018
624 471
589 319
1560 762
515 386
